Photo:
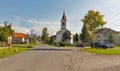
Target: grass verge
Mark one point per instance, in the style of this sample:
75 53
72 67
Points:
110 51
16 48
13 50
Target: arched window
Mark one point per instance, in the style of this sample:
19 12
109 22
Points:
63 24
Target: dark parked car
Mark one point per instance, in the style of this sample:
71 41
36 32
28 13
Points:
80 44
103 45
109 44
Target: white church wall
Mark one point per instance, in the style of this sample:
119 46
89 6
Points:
59 38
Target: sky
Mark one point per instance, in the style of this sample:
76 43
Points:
37 14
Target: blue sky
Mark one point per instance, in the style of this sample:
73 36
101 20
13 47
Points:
37 14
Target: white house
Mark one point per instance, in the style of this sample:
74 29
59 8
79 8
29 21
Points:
102 35
60 33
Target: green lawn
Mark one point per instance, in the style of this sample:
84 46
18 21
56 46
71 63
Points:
110 51
23 45
16 48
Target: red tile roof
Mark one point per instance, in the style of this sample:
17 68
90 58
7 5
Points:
27 36
20 35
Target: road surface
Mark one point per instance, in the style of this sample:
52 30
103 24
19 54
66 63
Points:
47 58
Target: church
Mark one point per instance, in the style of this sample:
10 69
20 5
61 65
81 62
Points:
60 33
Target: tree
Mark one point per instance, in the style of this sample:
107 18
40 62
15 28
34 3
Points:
34 38
5 32
76 37
45 36
110 38
93 20
66 35
38 38
52 39
84 36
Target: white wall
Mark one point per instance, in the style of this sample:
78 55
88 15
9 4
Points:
103 37
58 38
23 39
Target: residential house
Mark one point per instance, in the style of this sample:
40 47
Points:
103 34
19 38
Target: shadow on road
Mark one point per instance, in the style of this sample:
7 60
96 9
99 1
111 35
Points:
51 49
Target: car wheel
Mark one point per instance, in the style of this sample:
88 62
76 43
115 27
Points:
105 47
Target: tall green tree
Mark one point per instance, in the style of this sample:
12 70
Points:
110 38
76 37
84 36
93 20
52 39
66 35
45 35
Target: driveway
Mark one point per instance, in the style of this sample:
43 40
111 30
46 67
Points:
47 58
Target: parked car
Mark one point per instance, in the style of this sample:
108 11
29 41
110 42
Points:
102 45
109 44
80 44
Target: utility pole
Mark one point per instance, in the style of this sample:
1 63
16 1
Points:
9 40
5 22
31 36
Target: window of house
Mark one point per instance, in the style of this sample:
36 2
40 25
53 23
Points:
98 36
105 35
98 41
105 40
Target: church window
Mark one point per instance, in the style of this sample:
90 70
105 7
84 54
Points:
63 24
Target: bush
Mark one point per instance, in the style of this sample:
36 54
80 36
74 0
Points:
29 46
62 44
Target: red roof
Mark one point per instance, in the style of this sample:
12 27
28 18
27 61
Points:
20 35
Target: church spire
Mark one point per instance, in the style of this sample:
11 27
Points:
63 21
64 16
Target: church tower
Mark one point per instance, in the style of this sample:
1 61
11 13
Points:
59 34
63 21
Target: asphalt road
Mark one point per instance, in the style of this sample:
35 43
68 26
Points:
47 58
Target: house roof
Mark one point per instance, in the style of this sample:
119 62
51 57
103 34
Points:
20 35
27 36
106 31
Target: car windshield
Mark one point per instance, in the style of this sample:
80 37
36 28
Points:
108 43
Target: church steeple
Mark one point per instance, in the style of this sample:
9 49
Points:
63 21
59 35
64 16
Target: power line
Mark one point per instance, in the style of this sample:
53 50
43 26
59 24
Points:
114 23
116 17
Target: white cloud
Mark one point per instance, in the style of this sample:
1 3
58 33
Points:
39 24
25 25
1 24
33 21
21 29
40 21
